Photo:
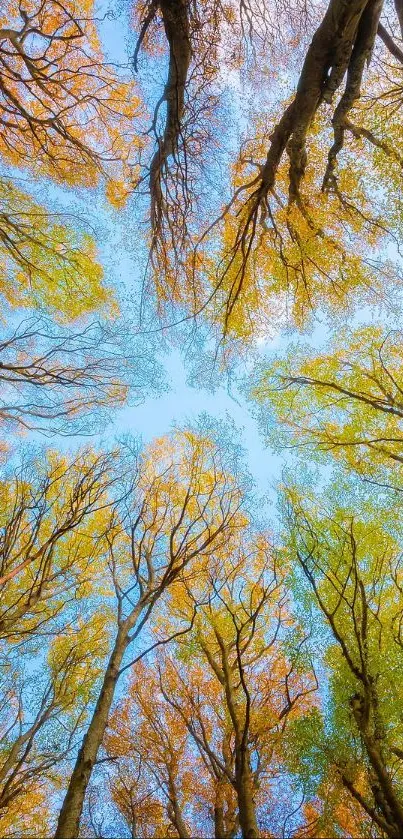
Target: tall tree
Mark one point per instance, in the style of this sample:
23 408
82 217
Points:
65 112
156 779
68 114
353 566
54 517
232 685
42 710
205 43
347 401
184 504
304 219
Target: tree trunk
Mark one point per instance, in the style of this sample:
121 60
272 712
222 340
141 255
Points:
386 796
175 816
387 799
69 818
175 15
246 804
219 829
240 722
326 62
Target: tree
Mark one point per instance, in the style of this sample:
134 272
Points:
155 776
54 518
204 42
230 685
347 401
239 635
184 132
183 504
44 262
65 112
42 713
352 564
57 380
155 641
55 84
306 226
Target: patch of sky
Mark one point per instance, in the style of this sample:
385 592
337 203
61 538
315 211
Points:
119 238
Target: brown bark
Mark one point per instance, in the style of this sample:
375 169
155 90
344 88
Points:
240 721
325 65
365 710
219 824
176 24
341 44
175 816
69 818
174 810
361 54
14 779
246 804
225 819
383 791
390 44
219 829
386 810
376 818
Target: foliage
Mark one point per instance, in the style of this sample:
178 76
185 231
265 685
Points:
346 401
170 664
65 111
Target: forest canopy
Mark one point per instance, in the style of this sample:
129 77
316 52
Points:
201 613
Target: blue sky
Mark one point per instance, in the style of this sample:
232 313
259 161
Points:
183 404
120 238
122 251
